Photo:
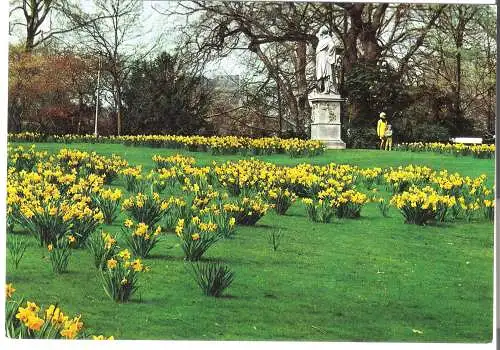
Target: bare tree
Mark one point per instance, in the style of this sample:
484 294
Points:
43 20
369 33
114 38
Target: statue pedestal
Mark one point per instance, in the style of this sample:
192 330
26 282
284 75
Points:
326 122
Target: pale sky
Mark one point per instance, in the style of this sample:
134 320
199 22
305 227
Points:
153 25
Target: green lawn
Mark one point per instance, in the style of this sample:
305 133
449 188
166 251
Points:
371 279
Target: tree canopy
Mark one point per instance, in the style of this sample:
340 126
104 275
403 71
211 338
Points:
429 67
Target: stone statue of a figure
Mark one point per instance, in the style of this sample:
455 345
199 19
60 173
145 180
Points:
325 58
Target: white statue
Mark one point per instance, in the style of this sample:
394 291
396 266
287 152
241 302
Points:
325 58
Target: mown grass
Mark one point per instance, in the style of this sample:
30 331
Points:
372 279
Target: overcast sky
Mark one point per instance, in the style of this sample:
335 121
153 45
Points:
153 25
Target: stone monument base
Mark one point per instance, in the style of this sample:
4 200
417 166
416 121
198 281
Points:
326 124
331 144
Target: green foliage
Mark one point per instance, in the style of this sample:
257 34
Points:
195 240
362 137
45 227
383 206
141 239
12 324
162 97
109 207
59 254
136 184
146 208
103 247
274 239
17 248
120 277
213 278
428 132
319 211
348 210
83 228
374 88
226 224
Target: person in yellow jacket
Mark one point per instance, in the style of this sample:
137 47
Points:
381 126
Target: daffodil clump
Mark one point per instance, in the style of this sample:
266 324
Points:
120 276
304 179
140 238
471 194
248 210
335 201
489 209
213 144
164 179
33 323
60 253
349 204
256 175
226 223
27 320
146 208
419 206
49 203
452 184
370 177
22 158
264 146
92 163
457 149
482 151
281 199
400 179
72 159
320 209
196 236
107 167
199 193
103 246
134 180
244 174
86 222
176 160
301 148
177 208
108 201
102 337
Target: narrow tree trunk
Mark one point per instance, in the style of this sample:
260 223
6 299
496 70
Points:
302 103
459 39
290 98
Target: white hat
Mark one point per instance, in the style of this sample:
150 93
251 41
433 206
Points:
382 115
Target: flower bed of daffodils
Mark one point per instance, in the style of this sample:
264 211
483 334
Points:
457 149
213 144
63 199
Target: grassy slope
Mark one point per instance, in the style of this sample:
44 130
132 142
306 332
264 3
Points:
371 279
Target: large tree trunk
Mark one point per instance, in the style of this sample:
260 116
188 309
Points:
361 44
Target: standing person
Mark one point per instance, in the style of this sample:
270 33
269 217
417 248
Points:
388 138
381 126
